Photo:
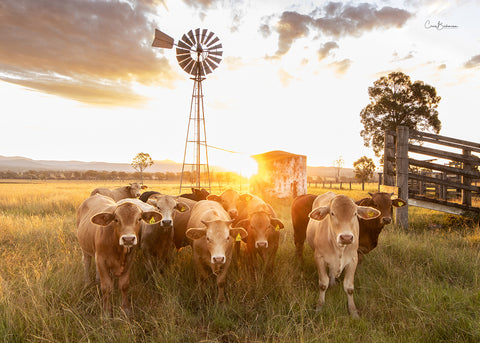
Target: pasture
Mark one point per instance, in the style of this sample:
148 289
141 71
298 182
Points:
418 285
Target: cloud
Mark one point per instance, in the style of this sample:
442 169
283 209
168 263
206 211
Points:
90 51
473 62
325 49
200 4
337 20
341 67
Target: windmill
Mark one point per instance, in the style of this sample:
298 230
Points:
198 52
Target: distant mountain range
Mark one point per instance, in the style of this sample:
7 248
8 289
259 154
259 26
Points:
22 164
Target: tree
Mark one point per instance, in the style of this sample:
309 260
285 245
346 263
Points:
364 168
339 165
141 162
396 101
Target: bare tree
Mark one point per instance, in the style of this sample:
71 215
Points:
338 163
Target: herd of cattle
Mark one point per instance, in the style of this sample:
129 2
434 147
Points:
113 224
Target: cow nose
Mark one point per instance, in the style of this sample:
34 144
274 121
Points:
386 220
261 244
128 240
233 213
346 238
218 259
167 222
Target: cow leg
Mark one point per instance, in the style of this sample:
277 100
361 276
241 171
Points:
87 260
348 287
323 280
332 279
221 281
106 286
299 250
124 284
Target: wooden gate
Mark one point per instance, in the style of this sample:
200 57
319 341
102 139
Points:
445 183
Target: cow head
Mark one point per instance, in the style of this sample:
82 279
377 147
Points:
218 236
259 225
125 219
229 200
383 202
167 205
135 189
342 214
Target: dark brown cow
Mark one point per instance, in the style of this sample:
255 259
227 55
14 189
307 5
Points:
108 231
197 194
263 228
369 229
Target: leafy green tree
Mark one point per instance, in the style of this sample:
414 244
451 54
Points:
396 101
364 168
141 162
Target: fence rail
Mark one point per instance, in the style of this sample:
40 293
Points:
423 183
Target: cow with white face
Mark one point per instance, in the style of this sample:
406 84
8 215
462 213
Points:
333 233
157 238
212 235
109 231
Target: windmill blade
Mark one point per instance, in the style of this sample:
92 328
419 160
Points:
186 41
213 42
181 58
204 35
210 35
192 37
189 66
162 40
217 53
211 64
216 47
214 59
184 46
206 67
197 35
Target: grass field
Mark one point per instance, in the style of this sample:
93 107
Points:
418 285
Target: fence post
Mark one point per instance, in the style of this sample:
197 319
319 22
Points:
401 213
466 194
388 159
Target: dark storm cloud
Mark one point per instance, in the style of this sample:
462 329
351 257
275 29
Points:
337 20
473 62
90 51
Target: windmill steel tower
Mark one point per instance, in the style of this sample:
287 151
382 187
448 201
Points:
198 53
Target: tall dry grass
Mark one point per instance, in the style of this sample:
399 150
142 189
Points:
419 285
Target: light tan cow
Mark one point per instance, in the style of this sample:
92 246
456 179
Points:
231 201
130 191
263 228
109 232
157 239
332 233
212 235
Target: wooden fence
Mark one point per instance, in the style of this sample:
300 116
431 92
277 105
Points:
445 183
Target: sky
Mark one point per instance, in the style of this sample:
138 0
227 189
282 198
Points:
80 80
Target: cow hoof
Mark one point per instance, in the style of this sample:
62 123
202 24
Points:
354 314
318 308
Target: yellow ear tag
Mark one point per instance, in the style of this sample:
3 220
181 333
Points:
182 209
277 228
238 238
371 214
400 203
152 221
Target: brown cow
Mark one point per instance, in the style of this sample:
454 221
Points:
263 228
332 233
212 235
131 191
197 194
371 229
157 238
232 202
109 232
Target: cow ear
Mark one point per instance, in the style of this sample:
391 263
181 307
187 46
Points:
152 201
103 218
214 197
277 224
152 217
195 233
144 187
398 202
238 233
246 197
245 223
182 207
365 212
365 202
319 213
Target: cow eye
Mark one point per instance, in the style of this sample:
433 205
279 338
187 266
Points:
208 239
332 214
